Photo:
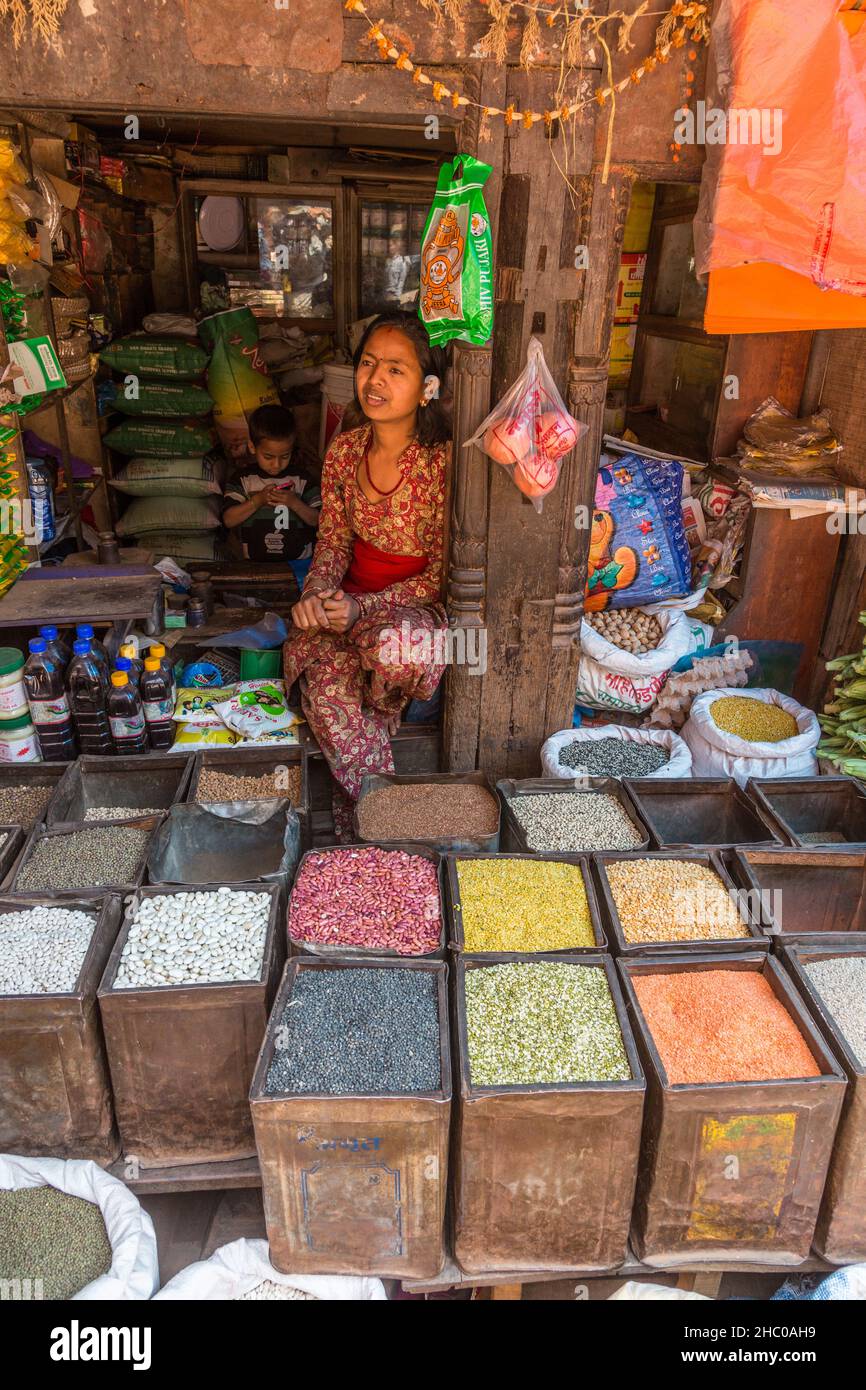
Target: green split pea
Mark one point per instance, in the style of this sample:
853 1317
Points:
543 1022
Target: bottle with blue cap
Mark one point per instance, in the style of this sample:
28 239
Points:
124 663
49 706
56 645
84 633
87 697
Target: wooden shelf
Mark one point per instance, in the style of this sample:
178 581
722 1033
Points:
94 593
190 1177
453 1277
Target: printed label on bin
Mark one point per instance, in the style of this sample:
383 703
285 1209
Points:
743 1172
362 1197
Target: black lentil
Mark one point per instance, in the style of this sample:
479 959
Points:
358 1031
613 757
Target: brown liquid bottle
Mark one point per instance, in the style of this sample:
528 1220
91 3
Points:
126 716
157 702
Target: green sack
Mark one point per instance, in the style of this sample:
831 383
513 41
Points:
456 297
145 354
184 477
169 514
160 438
238 379
186 545
162 398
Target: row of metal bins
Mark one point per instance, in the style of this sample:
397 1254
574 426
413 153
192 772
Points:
539 1177
564 1176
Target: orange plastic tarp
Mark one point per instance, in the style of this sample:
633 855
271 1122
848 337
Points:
781 226
765 298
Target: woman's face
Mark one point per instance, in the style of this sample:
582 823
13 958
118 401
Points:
388 377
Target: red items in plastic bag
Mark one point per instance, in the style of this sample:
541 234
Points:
530 430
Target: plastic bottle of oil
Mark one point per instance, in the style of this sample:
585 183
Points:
126 716
158 703
49 705
87 697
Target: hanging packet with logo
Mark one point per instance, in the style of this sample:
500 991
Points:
456 296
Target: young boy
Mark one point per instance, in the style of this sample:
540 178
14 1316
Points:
275 501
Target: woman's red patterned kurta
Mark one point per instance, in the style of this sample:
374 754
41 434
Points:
352 684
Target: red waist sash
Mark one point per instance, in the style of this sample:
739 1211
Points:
373 570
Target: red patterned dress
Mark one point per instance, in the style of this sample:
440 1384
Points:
352 683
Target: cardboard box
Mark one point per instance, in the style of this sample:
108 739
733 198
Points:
629 286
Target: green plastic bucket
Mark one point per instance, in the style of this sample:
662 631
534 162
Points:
258 665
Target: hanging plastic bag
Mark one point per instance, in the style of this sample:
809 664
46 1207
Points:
784 182
530 430
456 297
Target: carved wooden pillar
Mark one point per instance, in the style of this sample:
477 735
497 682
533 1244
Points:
603 209
587 387
467 574
515 573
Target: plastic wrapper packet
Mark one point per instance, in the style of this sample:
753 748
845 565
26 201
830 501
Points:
638 552
456 296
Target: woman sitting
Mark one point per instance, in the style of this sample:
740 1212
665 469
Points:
364 638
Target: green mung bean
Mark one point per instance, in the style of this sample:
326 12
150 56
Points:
49 1235
542 1022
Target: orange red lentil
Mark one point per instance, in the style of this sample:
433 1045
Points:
722 1025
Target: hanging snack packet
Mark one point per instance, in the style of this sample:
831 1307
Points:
456 299
530 430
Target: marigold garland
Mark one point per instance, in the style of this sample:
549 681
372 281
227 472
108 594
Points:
685 21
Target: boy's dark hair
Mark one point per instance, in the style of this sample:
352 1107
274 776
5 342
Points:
271 422
434 426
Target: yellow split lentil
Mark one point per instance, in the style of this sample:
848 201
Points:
672 900
523 905
754 720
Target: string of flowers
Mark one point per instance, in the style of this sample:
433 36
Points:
684 21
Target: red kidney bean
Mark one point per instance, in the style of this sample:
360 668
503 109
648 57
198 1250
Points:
380 899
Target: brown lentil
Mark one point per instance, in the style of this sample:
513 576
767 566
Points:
49 1235
221 785
672 900
428 811
23 804
721 1025
523 905
757 721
